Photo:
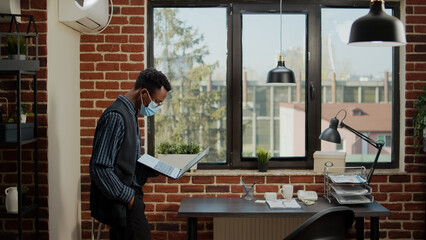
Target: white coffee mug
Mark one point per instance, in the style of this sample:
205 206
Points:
270 196
287 191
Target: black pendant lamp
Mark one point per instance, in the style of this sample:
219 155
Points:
377 28
281 74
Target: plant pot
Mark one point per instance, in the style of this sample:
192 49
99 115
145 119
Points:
23 118
263 167
178 160
8 132
17 57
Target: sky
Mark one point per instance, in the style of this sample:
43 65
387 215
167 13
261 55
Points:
261 39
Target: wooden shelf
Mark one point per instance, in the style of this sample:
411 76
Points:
25 210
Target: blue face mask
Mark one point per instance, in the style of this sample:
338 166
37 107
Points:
151 109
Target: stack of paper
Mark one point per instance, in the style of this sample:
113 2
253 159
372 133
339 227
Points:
349 190
291 203
277 204
353 199
346 178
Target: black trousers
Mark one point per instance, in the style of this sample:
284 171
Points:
137 225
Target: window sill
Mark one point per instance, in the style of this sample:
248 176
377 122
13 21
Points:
277 172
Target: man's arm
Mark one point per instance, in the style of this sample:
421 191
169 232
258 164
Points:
107 142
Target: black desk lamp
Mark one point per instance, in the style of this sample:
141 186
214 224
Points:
332 135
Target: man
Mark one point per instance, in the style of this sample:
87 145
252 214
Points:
117 178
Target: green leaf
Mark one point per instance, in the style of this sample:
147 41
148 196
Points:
419 120
263 156
178 148
12 45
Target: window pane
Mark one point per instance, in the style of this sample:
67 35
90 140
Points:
192 53
359 80
273 114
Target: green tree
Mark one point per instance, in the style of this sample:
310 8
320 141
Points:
194 111
341 66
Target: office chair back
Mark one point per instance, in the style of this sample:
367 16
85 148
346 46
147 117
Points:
329 224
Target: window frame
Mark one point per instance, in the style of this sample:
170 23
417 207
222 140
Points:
396 9
237 161
313 98
150 132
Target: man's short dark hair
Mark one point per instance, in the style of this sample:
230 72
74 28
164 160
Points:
152 80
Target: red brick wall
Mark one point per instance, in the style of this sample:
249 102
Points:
8 155
110 63
403 194
408 193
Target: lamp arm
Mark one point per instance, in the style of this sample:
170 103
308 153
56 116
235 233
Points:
377 145
362 136
373 166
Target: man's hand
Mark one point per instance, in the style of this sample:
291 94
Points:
130 205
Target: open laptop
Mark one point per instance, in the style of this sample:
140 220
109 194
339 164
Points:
167 169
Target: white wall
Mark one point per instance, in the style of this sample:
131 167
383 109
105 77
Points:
63 107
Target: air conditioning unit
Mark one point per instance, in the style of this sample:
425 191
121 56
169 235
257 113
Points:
85 16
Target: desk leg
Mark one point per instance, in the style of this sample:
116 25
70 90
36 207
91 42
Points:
374 228
359 226
191 232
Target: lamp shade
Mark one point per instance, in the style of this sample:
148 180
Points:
281 74
377 28
331 134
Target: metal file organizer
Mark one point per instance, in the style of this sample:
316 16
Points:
348 186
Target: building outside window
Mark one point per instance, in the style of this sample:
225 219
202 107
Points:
365 82
217 57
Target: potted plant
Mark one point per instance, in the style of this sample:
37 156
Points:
25 111
177 154
263 157
13 45
8 128
420 122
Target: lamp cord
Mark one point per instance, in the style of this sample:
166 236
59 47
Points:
281 29
341 110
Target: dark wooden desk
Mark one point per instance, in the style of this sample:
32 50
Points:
192 208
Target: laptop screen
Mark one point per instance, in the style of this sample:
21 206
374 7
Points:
195 160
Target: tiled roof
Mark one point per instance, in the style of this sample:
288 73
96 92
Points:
375 117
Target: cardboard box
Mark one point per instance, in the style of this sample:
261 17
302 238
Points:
329 159
8 132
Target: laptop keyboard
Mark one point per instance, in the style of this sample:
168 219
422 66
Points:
164 168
